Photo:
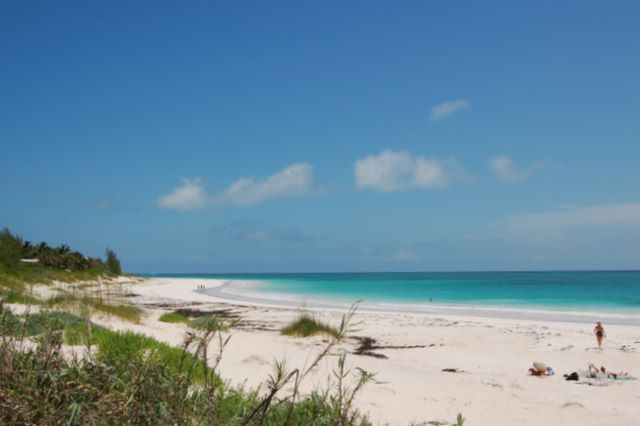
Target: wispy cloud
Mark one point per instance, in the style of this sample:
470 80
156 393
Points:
550 225
506 170
190 195
256 232
448 108
404 256
294 180
398 170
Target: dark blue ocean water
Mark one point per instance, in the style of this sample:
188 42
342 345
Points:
605 290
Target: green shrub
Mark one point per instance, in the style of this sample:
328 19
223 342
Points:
113 263
68 300
173 317
213 323
125 312
306 326
10 249
19 297
118 348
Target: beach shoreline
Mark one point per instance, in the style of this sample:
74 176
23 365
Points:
218 289
491 357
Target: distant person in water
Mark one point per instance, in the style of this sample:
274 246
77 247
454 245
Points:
598 330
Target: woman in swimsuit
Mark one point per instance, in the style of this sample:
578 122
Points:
598 330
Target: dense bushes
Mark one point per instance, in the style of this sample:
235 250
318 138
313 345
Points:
113 264
10 249
13 249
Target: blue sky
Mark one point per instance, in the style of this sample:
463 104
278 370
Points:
324 136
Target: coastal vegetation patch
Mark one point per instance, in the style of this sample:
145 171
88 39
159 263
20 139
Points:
135 379
86 304
22 261
173 318
306 326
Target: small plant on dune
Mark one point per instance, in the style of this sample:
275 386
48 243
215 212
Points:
173 317
306 326
459 422
335 406
212 322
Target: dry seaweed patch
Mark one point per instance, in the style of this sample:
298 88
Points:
189 314
197 313
366 346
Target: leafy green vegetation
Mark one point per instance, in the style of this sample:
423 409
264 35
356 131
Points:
118 348
10 249
86 304
306 326
113 264
35 324
210 322
173 317
11 296
35 273
134 379
23 261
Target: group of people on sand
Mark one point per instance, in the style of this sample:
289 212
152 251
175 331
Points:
200 288
593 372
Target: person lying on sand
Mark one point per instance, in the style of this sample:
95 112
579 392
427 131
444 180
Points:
602 373
595 373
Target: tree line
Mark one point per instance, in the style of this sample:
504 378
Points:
13 250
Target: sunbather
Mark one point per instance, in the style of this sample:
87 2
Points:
539 369
602 373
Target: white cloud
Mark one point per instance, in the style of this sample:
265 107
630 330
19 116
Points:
398 170
191 195
506 170
539 227
404 256
445 109
294 180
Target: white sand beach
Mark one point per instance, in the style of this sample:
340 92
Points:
411 350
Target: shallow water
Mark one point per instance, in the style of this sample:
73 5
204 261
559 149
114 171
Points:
611 291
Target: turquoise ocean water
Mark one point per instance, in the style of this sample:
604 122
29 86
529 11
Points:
613 291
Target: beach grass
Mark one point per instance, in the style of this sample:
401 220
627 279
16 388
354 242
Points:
86 303
306 326
12 296
34 273
120 347
173 318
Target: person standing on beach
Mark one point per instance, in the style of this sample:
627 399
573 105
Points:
598 330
